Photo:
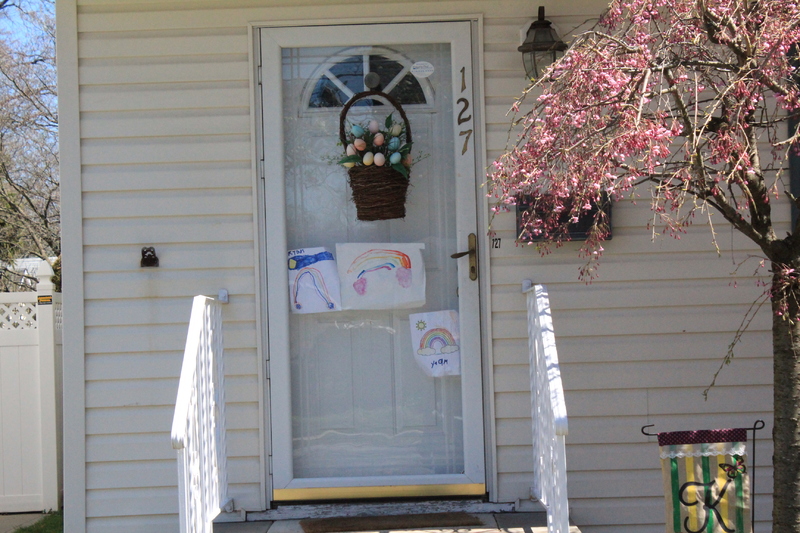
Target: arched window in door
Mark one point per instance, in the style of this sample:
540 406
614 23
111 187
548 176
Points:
342 76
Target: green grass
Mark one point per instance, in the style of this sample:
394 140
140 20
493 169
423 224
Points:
51 523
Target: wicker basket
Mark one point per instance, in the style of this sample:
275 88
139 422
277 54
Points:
378 192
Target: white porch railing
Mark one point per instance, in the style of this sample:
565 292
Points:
198 427
548 411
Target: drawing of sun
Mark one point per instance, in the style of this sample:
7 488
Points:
421 325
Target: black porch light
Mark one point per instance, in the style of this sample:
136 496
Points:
541 47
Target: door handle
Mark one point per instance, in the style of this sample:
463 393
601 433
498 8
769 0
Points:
472 241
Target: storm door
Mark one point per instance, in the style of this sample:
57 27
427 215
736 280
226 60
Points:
374 392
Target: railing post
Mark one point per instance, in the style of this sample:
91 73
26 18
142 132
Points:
45 316
548 411
198 426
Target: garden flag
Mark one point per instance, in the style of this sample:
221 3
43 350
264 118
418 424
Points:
706 486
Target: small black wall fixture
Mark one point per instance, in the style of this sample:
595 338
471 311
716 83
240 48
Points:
149 258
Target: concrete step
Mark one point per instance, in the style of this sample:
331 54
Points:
506 522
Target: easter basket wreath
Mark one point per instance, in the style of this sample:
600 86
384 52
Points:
378 161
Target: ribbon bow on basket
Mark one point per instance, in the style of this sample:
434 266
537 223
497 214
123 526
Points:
377 161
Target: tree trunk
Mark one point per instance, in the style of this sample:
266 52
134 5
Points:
786 406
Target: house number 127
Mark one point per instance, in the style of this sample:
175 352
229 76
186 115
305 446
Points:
462 115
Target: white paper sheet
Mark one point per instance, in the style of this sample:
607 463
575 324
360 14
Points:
435 340
313 281
381 275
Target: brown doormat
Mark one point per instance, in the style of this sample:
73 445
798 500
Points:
383 523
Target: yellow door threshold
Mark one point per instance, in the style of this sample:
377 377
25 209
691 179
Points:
388 491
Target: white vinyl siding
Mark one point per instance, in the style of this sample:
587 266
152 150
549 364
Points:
166 148
166 153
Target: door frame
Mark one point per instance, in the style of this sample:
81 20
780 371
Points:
486 463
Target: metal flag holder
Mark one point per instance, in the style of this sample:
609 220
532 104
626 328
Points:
759 424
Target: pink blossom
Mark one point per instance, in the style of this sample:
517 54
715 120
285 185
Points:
656 94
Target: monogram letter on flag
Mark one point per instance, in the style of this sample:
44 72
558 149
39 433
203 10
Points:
706 486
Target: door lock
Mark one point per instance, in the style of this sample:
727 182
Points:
472 241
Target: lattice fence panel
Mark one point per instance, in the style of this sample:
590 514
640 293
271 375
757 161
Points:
18 316
59 313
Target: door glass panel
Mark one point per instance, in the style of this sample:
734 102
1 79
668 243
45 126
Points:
347 74
360 404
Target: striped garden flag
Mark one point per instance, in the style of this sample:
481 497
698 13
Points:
706 486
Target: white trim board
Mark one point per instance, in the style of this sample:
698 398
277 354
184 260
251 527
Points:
69 139
259 259
353 21
484 261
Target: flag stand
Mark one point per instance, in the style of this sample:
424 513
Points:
759 424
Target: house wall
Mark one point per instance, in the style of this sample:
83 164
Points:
157 147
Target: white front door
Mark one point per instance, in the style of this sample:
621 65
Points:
353 413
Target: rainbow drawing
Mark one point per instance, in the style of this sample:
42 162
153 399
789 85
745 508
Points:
317 282
373 260
395 272
440 338
380 259
434 342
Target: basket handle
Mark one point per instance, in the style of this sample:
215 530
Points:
365 94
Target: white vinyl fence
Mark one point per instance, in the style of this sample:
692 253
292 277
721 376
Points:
30 397
548 411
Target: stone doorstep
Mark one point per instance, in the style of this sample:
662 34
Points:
493 523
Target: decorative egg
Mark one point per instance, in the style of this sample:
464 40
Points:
395 158
379 159
396 129
351 150
348 165
360 144
368 159
394 144
357 130
379 139
408 160
374 126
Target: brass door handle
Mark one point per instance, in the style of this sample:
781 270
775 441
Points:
473 256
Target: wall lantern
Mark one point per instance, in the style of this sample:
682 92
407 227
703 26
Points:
541 47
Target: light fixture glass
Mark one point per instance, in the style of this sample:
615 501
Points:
542 46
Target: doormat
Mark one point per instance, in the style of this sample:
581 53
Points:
383 523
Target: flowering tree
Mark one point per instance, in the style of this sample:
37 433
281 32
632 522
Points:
29 184
690 98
